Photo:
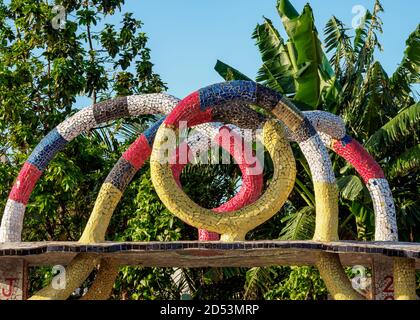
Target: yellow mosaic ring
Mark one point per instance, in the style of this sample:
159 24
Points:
212 104
231 225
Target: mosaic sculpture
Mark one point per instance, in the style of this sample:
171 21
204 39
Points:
225 103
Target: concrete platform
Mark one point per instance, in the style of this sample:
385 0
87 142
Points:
209 254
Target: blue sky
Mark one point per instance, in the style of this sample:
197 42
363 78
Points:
188 36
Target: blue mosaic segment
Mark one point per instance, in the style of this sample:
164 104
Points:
346 140
46 149
150 133
221 93
267 98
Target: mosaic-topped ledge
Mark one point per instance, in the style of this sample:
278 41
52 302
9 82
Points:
205 254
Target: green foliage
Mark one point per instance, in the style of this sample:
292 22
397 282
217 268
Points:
258 281
409 161
42 72
302 283
305 54
408 71
404 125
337 41
229 73
277 69
300 225
350 187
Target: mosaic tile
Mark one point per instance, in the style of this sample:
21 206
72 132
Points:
122 173
110 110
47 149
222 93
78 123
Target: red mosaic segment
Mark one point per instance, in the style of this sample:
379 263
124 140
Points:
138 152
252 177
201 117
189 110
205 235
25 183
359 158
179 160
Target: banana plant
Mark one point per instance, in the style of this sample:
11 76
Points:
380 111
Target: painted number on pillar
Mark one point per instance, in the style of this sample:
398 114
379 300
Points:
7 288
389 288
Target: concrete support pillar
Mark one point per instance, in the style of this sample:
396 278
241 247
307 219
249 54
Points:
382 278
13 279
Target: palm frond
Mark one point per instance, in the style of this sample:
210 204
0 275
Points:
266 76
372 104
350 187
229 73
277 70
404 124
338 43
258 280
361 33
300 225
408 72
366 40
132 128
106 136
380 103
407 162
116 132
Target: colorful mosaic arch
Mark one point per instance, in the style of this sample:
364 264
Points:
131 161
224 103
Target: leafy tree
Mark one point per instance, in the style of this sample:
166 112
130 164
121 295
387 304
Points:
44 70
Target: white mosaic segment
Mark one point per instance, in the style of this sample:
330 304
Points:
12 221
327 123
326 139
206 129
202 139
202 135
154 103
249 136
318 159
75 125
210 128
383 204
199 143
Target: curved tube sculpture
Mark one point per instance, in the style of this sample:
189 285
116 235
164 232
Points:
223 102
